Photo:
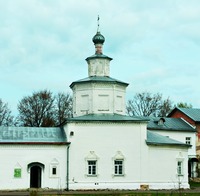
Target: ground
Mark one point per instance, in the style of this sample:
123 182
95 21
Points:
195 190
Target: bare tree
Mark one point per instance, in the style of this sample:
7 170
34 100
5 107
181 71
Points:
165 107
37 110
63 107
43 109
6 119
146 104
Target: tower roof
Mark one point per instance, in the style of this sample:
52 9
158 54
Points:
101 56
98 79
98 38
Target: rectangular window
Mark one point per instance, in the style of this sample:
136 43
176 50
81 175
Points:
188 140
118 167
54 171
92 168
17 173
180 168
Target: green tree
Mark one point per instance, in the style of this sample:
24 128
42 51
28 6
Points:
183 105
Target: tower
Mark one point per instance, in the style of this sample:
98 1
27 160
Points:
98 93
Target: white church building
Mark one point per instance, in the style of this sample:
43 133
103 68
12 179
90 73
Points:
100 147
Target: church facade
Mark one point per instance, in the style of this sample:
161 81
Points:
98 148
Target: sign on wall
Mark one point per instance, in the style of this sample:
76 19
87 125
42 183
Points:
17 172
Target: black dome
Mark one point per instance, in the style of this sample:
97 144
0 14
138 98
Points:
98 38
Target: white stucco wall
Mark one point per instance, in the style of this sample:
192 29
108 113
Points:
162 167
142 164
13 156
98 98
105 140
98 67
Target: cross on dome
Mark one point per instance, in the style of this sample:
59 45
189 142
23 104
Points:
98 40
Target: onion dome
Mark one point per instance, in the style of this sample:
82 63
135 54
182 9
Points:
98 38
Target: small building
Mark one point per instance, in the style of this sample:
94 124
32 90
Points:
192 116
100 147
33 157
181 130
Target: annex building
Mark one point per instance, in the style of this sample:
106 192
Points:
100 147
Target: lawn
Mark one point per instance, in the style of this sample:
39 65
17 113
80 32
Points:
132 193
194 184
194 191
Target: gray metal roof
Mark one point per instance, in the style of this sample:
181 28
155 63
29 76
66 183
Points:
108 117
106 79
32 135
159 140
170 124
96 56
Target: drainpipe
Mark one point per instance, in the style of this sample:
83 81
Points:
67 189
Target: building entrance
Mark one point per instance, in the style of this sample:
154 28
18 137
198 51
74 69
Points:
35 176
35 170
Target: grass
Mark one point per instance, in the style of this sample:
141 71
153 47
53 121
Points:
131 193
194 191
123 193
194 184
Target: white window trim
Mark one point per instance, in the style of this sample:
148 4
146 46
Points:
188 140
91 157
118 157
54 164
180 159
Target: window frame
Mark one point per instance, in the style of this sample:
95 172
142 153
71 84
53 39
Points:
91 157
180 168
188 140
91 168
54 171
118 167
54 165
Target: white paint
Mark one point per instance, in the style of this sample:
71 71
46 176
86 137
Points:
155 166
181 136
15 155
151 166
97 98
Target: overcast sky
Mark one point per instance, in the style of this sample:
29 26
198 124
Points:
155 45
